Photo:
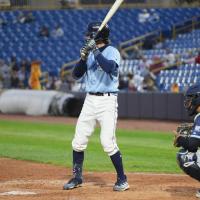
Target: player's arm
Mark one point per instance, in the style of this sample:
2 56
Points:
109 66
81 67
192 141
191 144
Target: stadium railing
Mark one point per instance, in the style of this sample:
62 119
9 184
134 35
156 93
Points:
66 68
4 4
186 26
129 45
158 36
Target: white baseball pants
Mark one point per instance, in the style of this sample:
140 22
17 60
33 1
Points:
103 109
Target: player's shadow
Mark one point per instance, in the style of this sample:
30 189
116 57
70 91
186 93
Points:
96 180
181 191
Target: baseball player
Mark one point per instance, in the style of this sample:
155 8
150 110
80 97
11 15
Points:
99 65
189 156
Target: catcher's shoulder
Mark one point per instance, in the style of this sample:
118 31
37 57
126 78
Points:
197 118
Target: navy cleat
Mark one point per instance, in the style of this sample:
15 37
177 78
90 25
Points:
73 183
121 185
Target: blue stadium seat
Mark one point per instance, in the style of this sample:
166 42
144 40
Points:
24 41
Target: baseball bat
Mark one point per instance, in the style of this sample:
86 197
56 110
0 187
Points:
110 13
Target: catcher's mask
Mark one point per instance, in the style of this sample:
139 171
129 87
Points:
192 99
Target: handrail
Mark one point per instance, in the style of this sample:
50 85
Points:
138 41
138 38
70 63
188 20
178 63
123 50
194 21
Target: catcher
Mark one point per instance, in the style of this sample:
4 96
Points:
187 136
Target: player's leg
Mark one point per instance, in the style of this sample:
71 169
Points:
84 129
108 119
198 193
189 164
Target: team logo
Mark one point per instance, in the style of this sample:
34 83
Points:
197 128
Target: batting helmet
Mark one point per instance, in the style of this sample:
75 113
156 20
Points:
92 29
192 99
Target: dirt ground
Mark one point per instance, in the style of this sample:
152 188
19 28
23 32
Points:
22 180
45 182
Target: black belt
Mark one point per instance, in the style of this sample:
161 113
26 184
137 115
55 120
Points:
101 94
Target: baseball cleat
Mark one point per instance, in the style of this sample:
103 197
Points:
73 183
198 193
121 185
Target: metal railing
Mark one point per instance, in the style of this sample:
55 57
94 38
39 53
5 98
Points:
4 4
67 67
186 26
129 45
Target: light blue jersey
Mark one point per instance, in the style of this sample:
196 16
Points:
97 80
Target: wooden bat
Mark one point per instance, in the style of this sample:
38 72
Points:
110 13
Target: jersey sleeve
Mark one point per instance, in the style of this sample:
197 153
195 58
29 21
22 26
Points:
196 129
113 54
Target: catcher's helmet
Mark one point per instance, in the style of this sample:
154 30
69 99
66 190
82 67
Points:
92 29
192 99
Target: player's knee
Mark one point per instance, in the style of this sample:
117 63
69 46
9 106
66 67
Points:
187 162
109 146
78 145
180 157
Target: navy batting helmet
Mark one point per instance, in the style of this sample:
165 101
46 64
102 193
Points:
192 99
103 35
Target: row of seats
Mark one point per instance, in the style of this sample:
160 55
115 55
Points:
183 76
188 40
186 74
23 41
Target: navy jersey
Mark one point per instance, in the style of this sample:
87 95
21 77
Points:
192 143
196 128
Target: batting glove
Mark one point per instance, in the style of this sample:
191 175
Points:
91 45
84 53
